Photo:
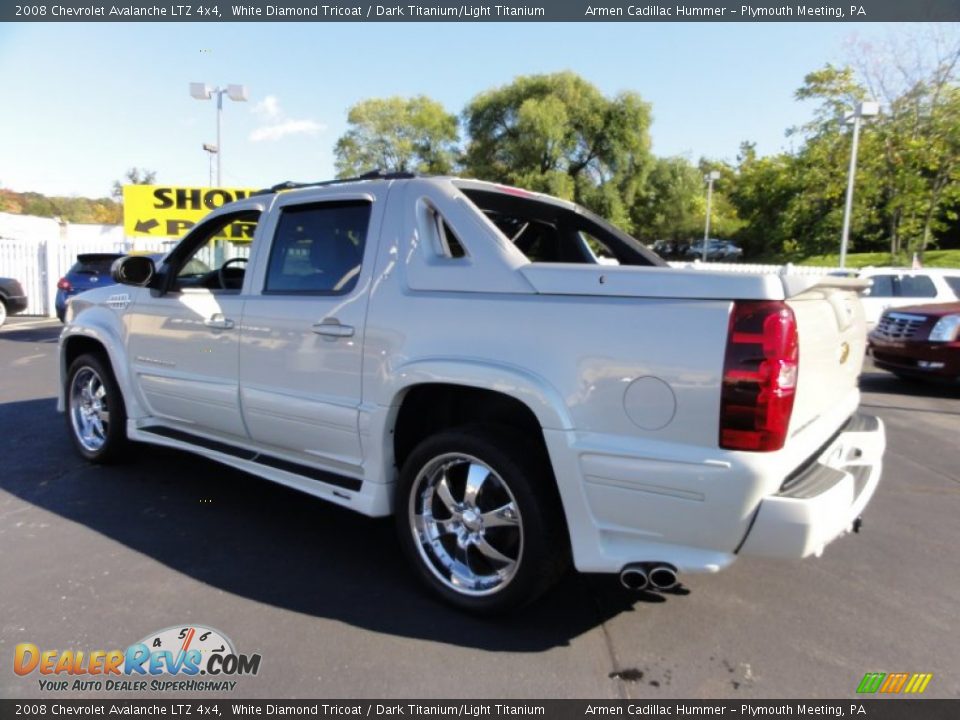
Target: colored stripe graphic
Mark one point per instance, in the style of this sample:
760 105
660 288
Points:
871 682
893 683
918 682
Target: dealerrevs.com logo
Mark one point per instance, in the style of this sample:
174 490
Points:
175 659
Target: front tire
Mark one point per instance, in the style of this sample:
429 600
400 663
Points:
479 519
3 312
96 415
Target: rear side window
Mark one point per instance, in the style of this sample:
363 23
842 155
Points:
453 247
917 286
954 282
546 231
882 286
318 248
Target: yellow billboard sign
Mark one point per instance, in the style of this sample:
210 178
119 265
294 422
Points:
167 211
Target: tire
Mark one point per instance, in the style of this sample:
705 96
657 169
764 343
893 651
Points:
96 415
908 377
3 312
488 550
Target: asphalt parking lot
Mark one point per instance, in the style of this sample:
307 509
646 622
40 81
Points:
98 558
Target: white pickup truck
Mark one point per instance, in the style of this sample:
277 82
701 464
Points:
518 382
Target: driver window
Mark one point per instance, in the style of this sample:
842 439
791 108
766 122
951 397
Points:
318 248
217 258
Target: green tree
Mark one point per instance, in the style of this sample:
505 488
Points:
398 135
908 174
133 176
812 220
920 146
559 134
672 203
68 209
725 222
915 75
762 193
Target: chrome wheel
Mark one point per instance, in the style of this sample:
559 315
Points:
3 312
89 415
466 524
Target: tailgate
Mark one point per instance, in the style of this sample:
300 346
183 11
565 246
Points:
832 334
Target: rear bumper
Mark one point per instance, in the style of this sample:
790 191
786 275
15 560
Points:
821 502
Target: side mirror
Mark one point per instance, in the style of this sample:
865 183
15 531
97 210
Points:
135 270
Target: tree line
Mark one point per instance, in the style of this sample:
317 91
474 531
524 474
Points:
81 210
100 211
557 133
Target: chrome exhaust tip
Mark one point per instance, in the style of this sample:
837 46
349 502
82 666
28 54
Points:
634 578
663 577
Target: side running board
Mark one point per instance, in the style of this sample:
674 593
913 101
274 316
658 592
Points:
341 481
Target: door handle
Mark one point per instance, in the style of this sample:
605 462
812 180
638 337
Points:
218 322
331 327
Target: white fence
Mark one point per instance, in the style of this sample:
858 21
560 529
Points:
39 251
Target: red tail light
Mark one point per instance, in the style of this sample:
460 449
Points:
759 376
64 284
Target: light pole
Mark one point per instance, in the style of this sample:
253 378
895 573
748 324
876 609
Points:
202 91
711 176
211 151
862 110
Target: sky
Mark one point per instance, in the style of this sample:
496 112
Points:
84 102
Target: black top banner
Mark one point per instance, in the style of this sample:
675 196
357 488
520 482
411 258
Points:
504 11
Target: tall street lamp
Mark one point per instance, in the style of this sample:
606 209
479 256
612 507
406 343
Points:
711 176
211 151
202 91
862 110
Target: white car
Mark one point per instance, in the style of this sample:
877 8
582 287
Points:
898 287
452 353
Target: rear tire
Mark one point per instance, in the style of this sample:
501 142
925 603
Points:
96 415
3 312
480 521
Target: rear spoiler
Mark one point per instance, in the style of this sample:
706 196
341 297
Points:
797 284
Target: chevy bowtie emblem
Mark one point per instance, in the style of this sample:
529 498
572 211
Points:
844 352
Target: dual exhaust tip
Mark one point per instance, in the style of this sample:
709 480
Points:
649 576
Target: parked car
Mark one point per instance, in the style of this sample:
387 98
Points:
717 251
671 249
897 287
12 298
452 353
919 341
89 271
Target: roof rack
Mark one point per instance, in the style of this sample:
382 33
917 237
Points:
372 175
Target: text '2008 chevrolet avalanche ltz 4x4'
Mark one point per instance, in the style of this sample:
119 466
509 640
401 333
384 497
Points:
519 383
